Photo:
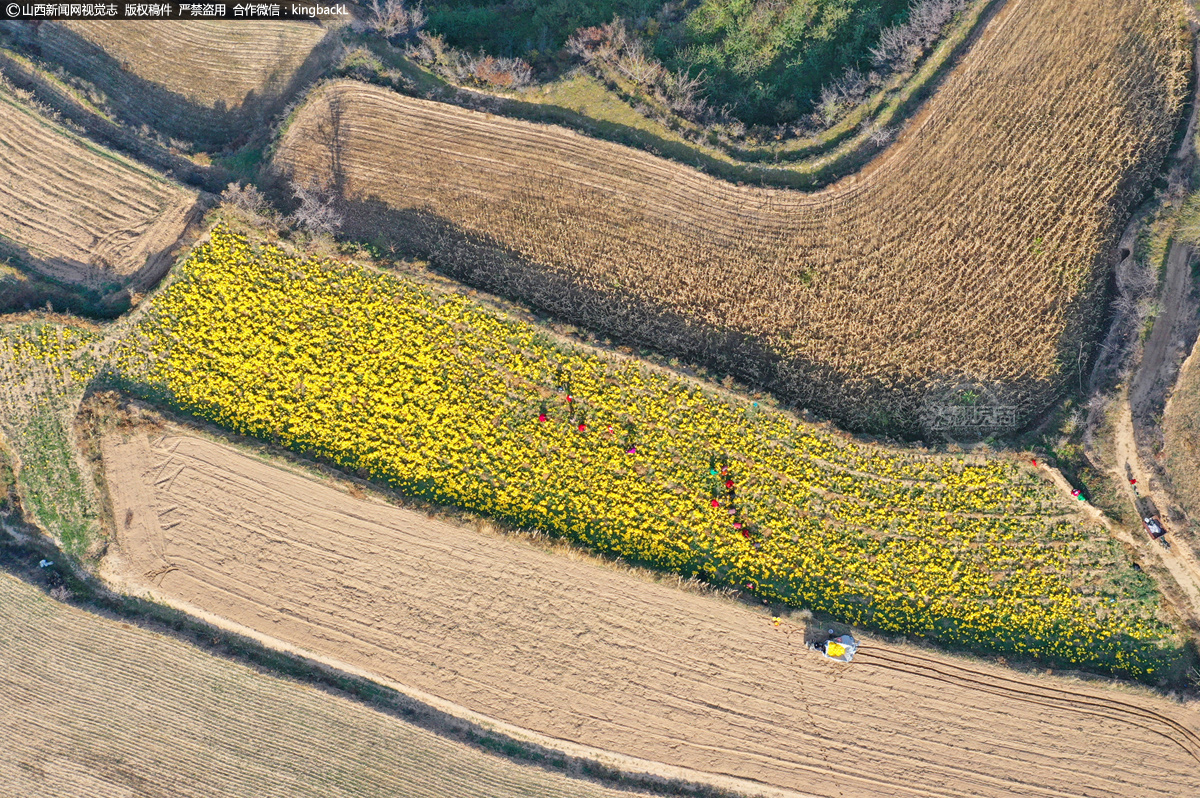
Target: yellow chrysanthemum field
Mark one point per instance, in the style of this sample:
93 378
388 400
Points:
443 398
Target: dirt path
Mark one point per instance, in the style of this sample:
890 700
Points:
1156 374
1180 560
590 656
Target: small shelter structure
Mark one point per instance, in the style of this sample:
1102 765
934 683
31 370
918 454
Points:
840 648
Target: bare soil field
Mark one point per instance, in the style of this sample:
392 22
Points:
95 708
596 656
211 82
79 214
970 255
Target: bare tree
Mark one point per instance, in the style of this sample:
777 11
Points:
900 46
840 96
614 47
510 73
395 20
428 49
880 135
638 66
316 213
247 198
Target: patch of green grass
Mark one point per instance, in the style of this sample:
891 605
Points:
768 60
764 60
47 366
585 95
615 109
243 164
51 483
523 27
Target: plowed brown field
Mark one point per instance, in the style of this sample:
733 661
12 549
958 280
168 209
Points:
972 254
206 81
591 655
78 213
91 708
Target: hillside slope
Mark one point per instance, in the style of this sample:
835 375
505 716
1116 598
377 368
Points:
970 257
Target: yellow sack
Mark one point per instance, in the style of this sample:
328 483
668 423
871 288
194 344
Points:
835 649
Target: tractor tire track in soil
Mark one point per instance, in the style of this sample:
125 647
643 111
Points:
82 215
1156 373
585 655
94 708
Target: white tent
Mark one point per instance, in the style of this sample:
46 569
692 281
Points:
840 648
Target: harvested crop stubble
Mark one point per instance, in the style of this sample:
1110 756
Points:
91 707
205 81
974 251
443 399
78 213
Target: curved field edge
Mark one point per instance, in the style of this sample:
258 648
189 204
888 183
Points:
211 83
970 259
798 163
80 216
442 399
121 710
72 104
534 638
604 109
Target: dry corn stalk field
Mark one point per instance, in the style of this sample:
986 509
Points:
206 81
596 656
972 253
78 213
95 708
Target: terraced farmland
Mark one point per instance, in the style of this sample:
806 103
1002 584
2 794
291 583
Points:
592 655
437 396
970 258
964 269
44 369
211 82
79 214
93 707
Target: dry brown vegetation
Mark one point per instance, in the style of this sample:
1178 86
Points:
593 655
1181 437
208 81
93 707
79 214
972 254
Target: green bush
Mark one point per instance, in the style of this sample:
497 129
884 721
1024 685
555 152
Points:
766 60
518 27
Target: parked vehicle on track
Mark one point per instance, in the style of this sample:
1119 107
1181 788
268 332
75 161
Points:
1156 531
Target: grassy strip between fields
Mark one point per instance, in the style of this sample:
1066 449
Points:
44 366
605 109
443 399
